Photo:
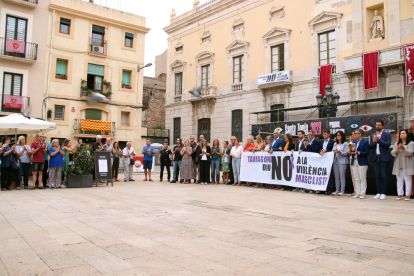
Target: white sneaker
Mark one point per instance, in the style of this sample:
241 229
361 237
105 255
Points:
341 193
362 197
355 196
335 193
377 196
383 197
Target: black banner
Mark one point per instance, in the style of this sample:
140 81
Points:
366 123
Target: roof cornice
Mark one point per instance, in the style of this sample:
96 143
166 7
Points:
85 15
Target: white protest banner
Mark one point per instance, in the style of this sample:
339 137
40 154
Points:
306 170
274 77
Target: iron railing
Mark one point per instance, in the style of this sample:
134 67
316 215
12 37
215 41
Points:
31 1
77 127
88 86
97 46
10 48
7 106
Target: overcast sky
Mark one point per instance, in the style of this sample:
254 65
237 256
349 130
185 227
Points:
157 13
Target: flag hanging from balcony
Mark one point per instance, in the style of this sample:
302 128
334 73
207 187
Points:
325 77
371 70
11 101
93 125
409 64
15 46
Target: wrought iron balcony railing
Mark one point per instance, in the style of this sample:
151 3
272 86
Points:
14 103
19 49
97 46
87 87
95 127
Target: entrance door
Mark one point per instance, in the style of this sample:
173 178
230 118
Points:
204 128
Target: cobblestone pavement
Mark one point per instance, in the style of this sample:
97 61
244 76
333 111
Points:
153 228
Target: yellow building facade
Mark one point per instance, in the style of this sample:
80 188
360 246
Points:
91 48
223 46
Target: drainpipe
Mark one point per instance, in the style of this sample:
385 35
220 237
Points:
50 60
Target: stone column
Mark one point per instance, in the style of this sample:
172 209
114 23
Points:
357 26
393 24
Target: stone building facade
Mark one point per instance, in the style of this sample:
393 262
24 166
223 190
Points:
153 103
222 46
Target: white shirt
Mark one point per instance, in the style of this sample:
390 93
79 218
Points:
237 152
204 156
125 151
379 136
300 143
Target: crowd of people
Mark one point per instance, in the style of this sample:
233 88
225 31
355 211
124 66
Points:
202 163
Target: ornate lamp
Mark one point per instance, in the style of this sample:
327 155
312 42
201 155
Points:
319 98
328 93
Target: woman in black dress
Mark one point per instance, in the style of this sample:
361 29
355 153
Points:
204 154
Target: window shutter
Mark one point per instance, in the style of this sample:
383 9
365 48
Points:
61 66
7 84
21 30
17 85
96 70
65 21
129 35
98 30
11 26
126 77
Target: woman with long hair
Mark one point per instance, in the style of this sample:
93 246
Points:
204 158
340 162
236 153
187 162
215 162
55 164
403 167
23 151
288 145
266 149
249 147
225 159
116 155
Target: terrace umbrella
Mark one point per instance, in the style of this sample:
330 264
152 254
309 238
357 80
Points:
19 124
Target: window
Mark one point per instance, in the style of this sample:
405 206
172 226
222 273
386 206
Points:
93 114
126 79
204 128
237 123
129 38
95 77
278 58
16 28
205 75
64 26
61 68
12 84
177 129
238 69
278 116
125 118
59 112
327 50
178 84
179 49
98 34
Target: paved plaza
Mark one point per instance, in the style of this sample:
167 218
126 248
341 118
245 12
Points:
158 228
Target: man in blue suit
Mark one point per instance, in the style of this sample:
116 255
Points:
276 143
380 143
326 145
312 145
359 164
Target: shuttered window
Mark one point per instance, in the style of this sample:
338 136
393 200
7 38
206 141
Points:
16 28
96 70
61 67
12 84
178 84
65 26
278 58
205 75
238 67
126 76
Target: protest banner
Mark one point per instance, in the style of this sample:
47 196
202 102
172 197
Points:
306 170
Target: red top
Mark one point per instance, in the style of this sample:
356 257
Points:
38 157
248 147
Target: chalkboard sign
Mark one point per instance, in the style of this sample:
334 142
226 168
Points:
103 166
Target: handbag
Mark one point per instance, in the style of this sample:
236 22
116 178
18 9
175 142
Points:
131 161
15 162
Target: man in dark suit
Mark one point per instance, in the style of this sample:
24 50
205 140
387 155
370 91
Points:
326 145
380 143
300 145
312 145
276 143
359 164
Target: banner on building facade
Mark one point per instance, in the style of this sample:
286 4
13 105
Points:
11 101
306 170
366 123
274 77
371 70
94 125
15 46
409 64
325 77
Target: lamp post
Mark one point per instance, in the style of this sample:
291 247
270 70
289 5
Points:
139 68
328 105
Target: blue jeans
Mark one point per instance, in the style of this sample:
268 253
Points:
381 175
215 169
236 169
176 170
24 169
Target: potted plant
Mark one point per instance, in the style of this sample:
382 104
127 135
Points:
108 94
83 82
80 173
105 82
88 91
123 85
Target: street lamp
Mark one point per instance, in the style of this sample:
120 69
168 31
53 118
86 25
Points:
139 68
328 104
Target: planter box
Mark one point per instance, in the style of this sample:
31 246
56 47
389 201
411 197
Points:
73 181
86 181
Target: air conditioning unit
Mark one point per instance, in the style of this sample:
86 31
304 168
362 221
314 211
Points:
98 49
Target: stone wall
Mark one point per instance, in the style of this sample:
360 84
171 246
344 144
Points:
153 103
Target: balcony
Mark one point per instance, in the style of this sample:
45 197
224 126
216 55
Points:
87 87
237 87
97 47
88 128
27 3
18 50
14 103
207 93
